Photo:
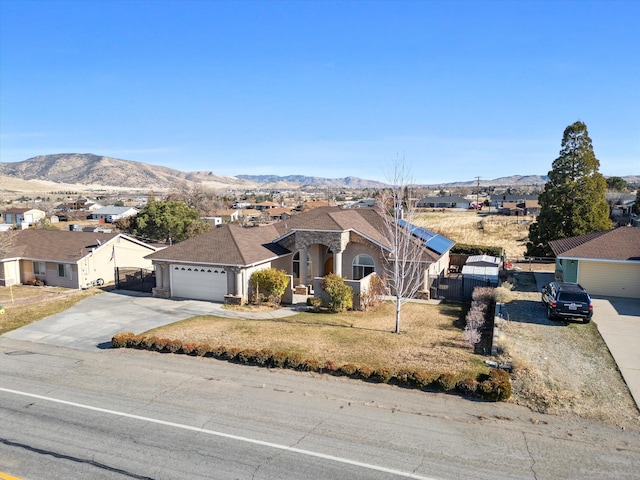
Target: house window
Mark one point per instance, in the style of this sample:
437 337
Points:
296 264
64 270
363 265
39 268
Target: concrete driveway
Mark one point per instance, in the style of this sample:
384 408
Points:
92 322
618 321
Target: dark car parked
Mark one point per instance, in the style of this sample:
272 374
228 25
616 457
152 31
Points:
566 300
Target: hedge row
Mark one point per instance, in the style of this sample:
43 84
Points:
467 249
495 386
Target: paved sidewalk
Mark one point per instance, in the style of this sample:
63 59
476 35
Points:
618 321
92 322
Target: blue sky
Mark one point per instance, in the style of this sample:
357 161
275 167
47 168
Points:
326 88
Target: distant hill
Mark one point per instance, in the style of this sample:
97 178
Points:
98 171
89 169
302 180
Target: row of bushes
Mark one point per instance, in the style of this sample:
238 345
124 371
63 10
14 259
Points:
495 386
468 249
478 314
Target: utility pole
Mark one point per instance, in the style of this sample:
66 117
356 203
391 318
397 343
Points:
478 191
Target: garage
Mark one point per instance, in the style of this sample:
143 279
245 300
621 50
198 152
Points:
610 279
198 282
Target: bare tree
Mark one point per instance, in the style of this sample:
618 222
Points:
196 196
404 265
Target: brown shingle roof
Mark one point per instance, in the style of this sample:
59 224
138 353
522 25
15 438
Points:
623 243
55 245
227 244
365 221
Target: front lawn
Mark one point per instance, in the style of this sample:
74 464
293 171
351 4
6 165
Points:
430 337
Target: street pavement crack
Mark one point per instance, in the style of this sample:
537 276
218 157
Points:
533 460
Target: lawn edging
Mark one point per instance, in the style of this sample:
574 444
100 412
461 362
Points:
494 386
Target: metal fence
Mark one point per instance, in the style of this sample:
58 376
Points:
137 279
455 288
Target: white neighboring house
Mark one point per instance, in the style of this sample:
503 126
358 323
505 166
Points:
111 214
23 217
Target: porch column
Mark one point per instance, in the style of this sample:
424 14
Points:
304 254
238 274
337 263
159 276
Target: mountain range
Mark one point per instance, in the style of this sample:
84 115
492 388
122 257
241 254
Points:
99 171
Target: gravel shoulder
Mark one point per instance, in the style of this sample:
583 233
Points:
560 367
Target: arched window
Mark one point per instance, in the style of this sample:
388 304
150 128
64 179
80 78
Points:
363 265
296 264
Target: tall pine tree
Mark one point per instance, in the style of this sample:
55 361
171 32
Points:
573 202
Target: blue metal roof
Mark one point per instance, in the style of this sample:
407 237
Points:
432 241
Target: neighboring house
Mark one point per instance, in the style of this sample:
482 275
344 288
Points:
111 214
70 259
23 217
266 205
605 263
217 265
499 200
449 201
526 207
228 215
280 213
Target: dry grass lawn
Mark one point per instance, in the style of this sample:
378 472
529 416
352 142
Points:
24 304
473 228
430 338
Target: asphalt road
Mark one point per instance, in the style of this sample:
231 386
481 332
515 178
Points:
69 413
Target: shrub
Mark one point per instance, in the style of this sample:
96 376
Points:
467 249
348 369
422 379
331 367
446 382
278 359
293 360
119 340
189 348
340 294
382 375
247 356
497 386
315 303
160 344
310 365
174 346
230 353
219 351
467 386
371 297
263 357
147 342
203 349
271 280
365 371
502 295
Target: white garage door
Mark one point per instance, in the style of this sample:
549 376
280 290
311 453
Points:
610 279
198 282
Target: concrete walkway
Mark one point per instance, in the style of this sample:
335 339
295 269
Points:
92 322
618 321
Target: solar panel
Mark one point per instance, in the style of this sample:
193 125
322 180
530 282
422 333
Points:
432 241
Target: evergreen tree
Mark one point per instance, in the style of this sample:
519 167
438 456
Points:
573 202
